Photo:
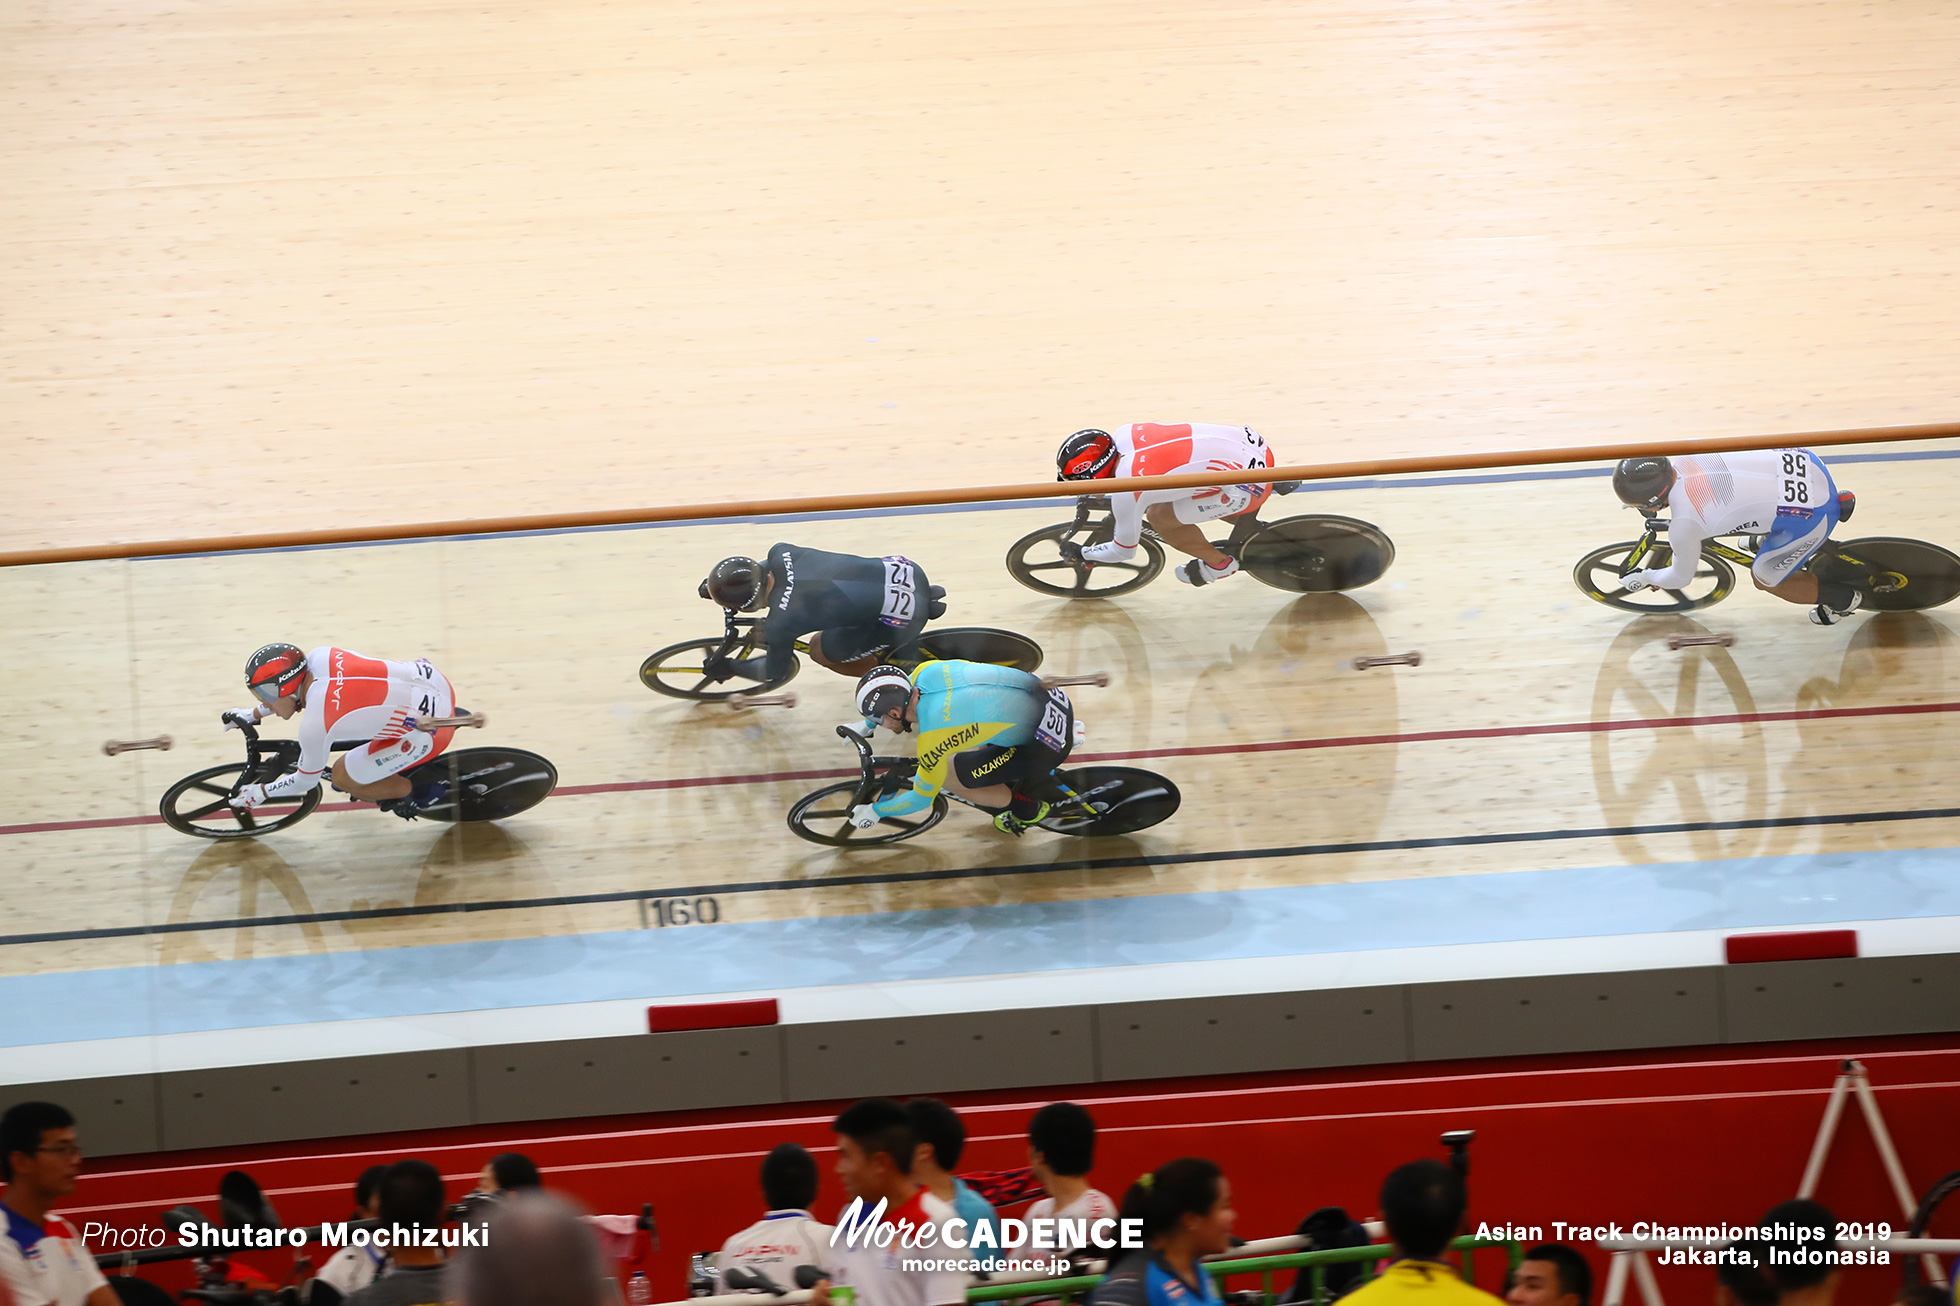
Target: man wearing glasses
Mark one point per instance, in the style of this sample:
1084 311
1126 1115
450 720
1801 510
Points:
43 1261
354 698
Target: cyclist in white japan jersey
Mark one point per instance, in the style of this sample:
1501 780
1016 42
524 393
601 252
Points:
347 696
1784 496
1147 449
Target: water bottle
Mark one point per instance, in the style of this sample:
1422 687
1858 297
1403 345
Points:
639 1289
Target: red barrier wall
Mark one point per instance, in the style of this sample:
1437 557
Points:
1697 1137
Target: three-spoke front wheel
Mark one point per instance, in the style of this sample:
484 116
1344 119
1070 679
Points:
825 817
1598 578
200 805
1036 561
680 671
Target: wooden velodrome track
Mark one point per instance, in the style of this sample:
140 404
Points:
1497 733
271 269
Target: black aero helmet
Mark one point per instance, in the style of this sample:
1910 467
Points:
881 689
1086 455
274 672
736 584
1643 482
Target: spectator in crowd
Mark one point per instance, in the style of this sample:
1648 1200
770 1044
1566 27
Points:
787 1235
1328 1229
875 1147
1551 1274
351 1268
508 1173
942 1138
1790 1267
1422 1204
537 1252
411 1197
1062 1151
43 1260
1186 1212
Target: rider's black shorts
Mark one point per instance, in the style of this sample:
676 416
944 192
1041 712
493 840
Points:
1017 766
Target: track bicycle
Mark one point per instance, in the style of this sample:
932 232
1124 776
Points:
680 670
1313 553
1102 800
1892 574
485 784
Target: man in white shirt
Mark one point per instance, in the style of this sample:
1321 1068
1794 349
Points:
875 1145
787 1236
1062 1151
43 1260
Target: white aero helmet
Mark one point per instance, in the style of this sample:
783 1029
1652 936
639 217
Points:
881 689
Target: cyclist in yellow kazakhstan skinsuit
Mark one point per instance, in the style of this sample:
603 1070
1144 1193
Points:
990 734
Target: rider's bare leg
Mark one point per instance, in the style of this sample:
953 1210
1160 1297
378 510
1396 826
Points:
1800 588
856 667
1181 536
388 786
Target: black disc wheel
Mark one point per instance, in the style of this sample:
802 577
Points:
199 804
678 671
825 817
1598 577
1895 575
1113 800
1003 648
1036 561
1317 554
488 784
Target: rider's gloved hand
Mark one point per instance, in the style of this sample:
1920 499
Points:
1109 551
1199 572
865 815
1635 581
241 716
249 796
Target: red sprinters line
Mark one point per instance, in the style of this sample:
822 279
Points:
1198 750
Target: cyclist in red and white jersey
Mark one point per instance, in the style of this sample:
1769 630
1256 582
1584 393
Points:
352 697
1147 449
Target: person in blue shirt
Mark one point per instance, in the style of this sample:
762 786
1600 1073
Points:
1186 1213
942 1137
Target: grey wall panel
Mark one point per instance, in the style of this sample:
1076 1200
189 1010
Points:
640 1072
113 1115
316 1099
1245 1032
939 1054
1565 1013
1771 1000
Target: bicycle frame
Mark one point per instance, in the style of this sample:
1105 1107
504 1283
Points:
868 775
1093 503
1712 545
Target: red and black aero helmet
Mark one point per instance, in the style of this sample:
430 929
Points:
274 672
1086 455
736 584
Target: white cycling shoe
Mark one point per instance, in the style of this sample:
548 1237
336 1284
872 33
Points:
1199 572
1825 615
